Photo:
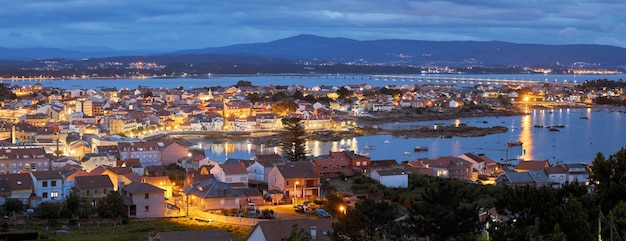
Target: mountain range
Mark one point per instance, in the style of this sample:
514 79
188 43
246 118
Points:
393 52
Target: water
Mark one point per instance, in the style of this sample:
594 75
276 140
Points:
307 81
578 141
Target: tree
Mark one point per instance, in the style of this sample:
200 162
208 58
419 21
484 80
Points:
284 107
344 93
242 83
13 205
112 206
609 175
297 234
293 141
72 203
48 210
368 220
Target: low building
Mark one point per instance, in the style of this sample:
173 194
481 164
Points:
393 178
317 229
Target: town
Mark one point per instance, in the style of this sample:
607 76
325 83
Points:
88 143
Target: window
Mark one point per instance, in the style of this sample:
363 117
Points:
146 196
243 179
133 210
54 195
358 164
104 191
88 193
95 192
146 208
53 183
229 179
222 201
44 195
44 184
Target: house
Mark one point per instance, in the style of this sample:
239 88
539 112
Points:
230 173
263 164
449 166
162 182
524 166
329 167
92 187
275 230
557 175
144 200
515 179
211 194
93 160
481 164
48 186
213 235
577 172
20 187
393 178
295 180
15 160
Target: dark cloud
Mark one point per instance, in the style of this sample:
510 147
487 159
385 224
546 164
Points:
184 24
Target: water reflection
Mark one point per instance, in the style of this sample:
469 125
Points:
577 141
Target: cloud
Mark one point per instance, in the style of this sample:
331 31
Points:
184 24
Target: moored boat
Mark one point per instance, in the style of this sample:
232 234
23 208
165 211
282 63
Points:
420 148
514 143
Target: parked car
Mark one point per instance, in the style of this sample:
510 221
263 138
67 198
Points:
323 213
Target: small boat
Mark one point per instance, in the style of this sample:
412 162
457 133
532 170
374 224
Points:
516 143
406 153
420 148
553 129
386 142
584 117
368 147
538 126
345 146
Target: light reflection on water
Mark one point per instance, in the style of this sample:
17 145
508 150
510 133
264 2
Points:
579 141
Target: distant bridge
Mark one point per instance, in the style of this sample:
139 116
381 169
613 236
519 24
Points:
465 80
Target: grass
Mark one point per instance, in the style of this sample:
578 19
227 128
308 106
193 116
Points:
136 230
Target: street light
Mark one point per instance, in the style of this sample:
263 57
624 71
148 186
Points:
342 209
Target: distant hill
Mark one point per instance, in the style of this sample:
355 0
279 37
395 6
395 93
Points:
418 52
388 52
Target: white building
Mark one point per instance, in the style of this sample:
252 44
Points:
394 178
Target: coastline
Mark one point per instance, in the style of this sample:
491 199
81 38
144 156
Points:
367 127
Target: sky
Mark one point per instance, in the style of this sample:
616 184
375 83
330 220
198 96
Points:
167 25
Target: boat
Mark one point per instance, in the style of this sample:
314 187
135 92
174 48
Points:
406 153
386 142
538 126
345 146
368 147
584 117
553 129
514 143
420 148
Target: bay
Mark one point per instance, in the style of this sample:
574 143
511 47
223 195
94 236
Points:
585 133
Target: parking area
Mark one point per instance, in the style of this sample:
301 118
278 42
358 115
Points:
287 212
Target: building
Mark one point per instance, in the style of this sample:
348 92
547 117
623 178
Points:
48 186
144 200
296 180
26 159
92 187
275 230
393 178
